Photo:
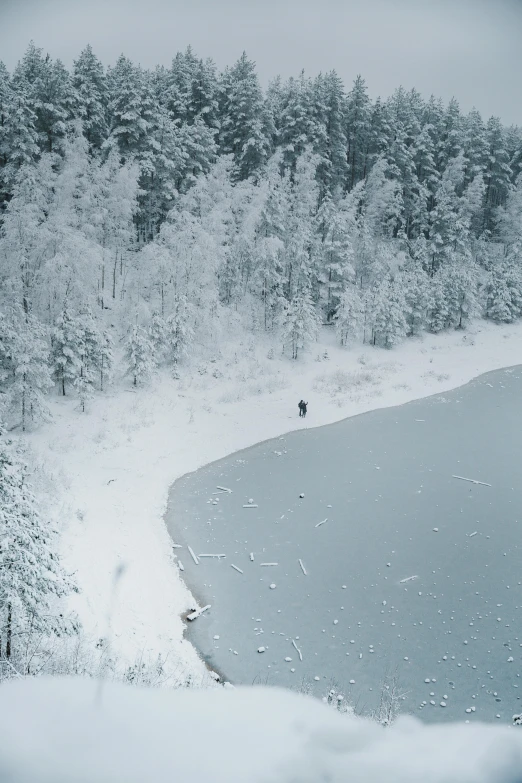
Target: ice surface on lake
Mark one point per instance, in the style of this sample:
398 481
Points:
378 580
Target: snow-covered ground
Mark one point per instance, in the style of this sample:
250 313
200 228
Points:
65 731
111 467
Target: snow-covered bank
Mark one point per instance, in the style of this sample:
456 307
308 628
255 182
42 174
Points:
113 466
62 731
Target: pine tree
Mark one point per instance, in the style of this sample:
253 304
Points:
497 173
438 316
386 308
51 95
503 292
91 97
243 128
416 289
31 575
299 324
68 350
461 288
25 377
298 126
349 315
358 120
139 355
18 135
131 111
334 252
330 143
179 332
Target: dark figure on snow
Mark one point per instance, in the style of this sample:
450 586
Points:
302 408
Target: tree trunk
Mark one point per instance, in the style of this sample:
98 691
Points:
114 277
23 409
9 631
63 386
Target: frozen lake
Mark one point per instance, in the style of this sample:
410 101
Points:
414 573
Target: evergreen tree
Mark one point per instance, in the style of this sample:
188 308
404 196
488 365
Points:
349 315
131 111
503 292
91 97
358 121
179 332
497 173
386 308
330 145
25 377
334 252
68 350
416 288
18 134
298 127
51 95
243 126
139 355
31 576
299 324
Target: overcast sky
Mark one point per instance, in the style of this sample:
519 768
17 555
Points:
471 49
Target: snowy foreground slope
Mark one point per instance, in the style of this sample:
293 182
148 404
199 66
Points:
110 469
65 731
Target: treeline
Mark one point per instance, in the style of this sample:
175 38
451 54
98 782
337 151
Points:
182 198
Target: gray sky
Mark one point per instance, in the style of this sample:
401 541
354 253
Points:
471 49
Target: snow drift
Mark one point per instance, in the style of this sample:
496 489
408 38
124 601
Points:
71 731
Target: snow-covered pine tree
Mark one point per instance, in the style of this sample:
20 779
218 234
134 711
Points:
31 575
503 292
95 356
67 349
334 251
416 289
437 317
387 314
91 97
18 136
349 314
179 331
461 282
243 127
25 376
139 355
299 324
358 131
497 175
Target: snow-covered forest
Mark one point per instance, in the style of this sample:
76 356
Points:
146 211
147 215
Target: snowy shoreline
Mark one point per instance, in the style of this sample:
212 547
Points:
112 468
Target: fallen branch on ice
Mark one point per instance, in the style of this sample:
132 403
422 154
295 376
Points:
408 579
322 522
197 612
298 650
303 569
194 557
237 569
224 489
473 481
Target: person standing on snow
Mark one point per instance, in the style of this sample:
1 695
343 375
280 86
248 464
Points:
301 406
304 408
